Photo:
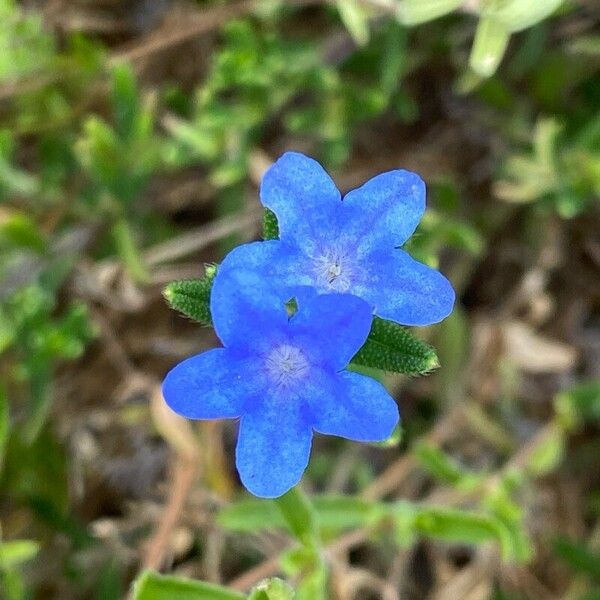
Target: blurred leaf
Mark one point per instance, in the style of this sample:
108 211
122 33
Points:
547 456
456 525
489 45
334 513
13 553
355 19
581 402
393 348
452 341
443 468
579 558
152 586
272 589
415 12
128 251
4 424
125 99
519 14
20 231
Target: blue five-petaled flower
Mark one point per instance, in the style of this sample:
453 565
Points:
329 244
284 377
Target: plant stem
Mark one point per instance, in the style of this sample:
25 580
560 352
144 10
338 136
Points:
129 252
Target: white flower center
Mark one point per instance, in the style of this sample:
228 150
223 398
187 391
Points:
333 270
286 364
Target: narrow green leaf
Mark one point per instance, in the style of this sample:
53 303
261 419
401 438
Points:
272 589
413 12
129 251
441 466
456 525
334 513
391 347
548 455
519 14
152 586
191 297
491 40
125 98
270 225
355 19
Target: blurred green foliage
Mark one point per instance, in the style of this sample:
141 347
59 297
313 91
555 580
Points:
82 141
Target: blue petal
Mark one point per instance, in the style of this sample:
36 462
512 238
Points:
273 447
249 292
304 198
404 290
354 406
332 327
385 211
212 385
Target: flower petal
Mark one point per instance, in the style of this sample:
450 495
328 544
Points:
212 385
249 292
304 198
273 447
334 327
354 406
404 290
385 211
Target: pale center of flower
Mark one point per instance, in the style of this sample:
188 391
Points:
286 364
333 270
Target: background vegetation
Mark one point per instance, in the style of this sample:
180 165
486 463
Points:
132 139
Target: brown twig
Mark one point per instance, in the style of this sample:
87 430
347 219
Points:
185 470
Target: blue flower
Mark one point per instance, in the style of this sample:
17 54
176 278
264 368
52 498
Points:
330 245
283 378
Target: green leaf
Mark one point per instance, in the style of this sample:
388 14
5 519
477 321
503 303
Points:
270 225
334 513
15 552
128 250
152 586
272 589
581 403
456 525
491 40
191 297
578 557
548 455
391 347
520 14
125 99
355 19
413 12
441 466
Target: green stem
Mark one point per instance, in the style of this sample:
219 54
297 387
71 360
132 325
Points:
301 518
129 252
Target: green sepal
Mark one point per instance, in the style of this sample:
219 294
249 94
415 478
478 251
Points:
191 297
270 225
391 347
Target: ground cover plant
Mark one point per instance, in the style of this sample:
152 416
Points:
139 180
